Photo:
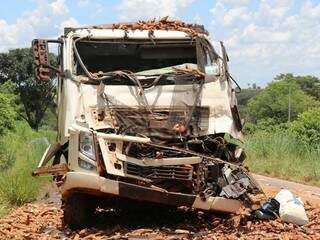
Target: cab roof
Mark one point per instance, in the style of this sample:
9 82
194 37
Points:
151 25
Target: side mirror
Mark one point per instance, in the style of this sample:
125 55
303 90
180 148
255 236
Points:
41 60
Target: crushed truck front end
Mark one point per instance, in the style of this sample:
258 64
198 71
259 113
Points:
146 113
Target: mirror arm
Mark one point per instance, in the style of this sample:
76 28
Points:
235 82
225 59
53 68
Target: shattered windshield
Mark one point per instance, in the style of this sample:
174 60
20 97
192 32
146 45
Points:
99 60
102 56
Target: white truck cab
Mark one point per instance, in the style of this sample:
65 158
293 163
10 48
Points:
144 113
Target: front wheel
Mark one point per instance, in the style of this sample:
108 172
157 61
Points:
78 211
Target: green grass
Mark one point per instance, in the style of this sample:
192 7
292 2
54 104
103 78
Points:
24 147
283 155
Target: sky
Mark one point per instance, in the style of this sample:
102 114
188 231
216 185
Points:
263 38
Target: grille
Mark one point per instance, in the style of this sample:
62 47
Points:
181 172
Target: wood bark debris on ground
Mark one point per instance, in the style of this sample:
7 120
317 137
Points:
42 220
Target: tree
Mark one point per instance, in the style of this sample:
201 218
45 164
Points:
35 96
307 126
308 84
246 94
273 102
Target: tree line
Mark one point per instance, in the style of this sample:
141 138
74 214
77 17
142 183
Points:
288 103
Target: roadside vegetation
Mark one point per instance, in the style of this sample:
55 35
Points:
27 126
20 152
283 155
282 130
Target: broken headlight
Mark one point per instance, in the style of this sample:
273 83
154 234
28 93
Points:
86 144
85 165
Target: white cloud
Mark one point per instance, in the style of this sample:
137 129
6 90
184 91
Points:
70 22
270 38
310 10
129 10
229 16
254 33
83 3
197 19
235 15
95 7
59 7
270 13
236 3
45 20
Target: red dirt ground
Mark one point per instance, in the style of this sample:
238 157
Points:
42 220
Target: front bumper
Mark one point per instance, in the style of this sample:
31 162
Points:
94 184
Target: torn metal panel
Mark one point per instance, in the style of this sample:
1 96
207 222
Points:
50 152
214 96
99 185
235 189
58 169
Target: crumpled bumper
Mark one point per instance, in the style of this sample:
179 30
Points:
94 184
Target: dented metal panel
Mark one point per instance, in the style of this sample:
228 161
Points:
215 95
150 126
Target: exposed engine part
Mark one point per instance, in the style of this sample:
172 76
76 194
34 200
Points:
238 183
213 145
207 178
235 189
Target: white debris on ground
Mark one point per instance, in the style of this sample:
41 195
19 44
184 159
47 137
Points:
291 208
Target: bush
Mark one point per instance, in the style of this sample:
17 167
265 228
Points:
307 126
266 125
17 186
8 114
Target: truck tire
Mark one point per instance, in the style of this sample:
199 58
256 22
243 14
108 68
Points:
78 211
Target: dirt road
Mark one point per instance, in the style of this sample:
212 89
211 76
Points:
42 220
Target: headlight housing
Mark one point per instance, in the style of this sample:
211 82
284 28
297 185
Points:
85 165
86 144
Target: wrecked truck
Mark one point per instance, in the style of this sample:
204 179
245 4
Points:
146 111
